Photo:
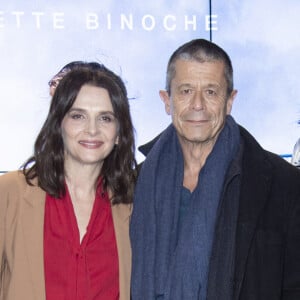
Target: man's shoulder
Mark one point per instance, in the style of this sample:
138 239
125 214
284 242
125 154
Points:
255 153
283 167
145 148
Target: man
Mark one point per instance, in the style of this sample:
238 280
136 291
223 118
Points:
215 216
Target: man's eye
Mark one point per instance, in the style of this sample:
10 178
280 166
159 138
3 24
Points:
211 92
186 91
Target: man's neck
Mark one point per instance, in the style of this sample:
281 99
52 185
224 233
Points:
194 156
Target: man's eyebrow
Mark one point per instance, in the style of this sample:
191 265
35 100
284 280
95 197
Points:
185 85
212 85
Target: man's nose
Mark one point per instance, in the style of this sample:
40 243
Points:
197 101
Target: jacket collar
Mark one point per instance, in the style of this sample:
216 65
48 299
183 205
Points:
121 218
33 226
255 187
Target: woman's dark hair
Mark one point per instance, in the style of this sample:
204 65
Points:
47 163
73 65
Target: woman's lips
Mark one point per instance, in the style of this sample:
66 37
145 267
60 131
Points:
91 144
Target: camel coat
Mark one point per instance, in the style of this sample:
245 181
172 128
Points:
21 240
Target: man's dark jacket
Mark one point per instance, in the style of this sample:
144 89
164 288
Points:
267 251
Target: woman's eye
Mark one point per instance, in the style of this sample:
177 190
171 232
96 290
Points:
107 118
77 116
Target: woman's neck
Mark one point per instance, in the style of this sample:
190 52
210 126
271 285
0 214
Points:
82 175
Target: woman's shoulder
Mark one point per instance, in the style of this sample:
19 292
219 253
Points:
14 182
12 178
14 189
12 185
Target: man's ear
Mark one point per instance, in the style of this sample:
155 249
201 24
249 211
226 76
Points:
230 101
164 96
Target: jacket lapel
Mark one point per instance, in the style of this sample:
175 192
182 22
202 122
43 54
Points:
256 178
121 217
33 226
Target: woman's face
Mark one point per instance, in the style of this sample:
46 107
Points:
90 128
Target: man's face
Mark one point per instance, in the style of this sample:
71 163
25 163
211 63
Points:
198 103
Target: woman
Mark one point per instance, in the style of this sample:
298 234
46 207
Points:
64 218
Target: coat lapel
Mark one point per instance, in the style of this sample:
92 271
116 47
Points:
121 217
256 178
33 226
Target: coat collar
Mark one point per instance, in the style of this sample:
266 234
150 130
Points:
33 226
121 218
255 187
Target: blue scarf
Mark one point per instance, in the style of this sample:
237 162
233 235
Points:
164 267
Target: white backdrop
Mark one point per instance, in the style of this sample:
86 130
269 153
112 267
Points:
135 39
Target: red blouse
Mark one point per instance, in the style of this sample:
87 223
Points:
80 271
